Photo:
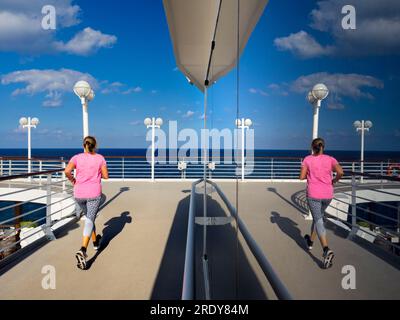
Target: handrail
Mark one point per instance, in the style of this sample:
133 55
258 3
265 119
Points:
387 161
27 175
370 175
188 288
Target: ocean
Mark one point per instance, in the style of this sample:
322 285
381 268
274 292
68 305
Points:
341 155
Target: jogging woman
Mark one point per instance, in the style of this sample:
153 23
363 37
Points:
318 169
90 167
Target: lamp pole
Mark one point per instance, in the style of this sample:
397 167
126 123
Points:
362 126
243 124
318 93
29 123
154 124
85 93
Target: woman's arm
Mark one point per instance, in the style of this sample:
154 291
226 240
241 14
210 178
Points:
68 172
339 173
303 173
104 172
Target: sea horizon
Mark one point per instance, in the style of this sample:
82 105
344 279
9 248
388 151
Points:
347 155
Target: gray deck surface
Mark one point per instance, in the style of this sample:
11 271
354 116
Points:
144 226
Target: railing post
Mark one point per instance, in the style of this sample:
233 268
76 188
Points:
381 174
353 206
40 170
272 168
9 167
123 168
63 176
49 233
1 167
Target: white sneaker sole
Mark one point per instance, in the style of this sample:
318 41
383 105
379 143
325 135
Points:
328 260
81 260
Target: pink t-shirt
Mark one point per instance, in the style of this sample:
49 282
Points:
88 174
319 176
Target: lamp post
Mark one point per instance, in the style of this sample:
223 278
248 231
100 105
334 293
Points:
29 123
362 126
153 123
243 124
318 93
83 90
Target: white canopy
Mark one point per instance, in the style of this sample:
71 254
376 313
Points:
195 24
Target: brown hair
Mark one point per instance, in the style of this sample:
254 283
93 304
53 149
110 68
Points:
90 143
318 145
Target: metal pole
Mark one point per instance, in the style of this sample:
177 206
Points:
243 128
29 145
49 233
362 148
272 168
63 175
316 119
85 117
353 206
153 129
123 168
40 170
205 180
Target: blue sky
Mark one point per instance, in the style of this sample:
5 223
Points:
124 50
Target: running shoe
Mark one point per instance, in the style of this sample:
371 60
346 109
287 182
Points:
81 259
308 241
97 243
328 257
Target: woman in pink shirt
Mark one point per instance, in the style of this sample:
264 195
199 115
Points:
90 167
318 169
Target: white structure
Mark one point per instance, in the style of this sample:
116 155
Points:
29 123
362 126
83 90
153 123
315 96
243 125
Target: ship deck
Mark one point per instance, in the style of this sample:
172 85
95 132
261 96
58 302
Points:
144 228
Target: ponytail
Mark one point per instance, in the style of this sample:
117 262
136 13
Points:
318 145
89 143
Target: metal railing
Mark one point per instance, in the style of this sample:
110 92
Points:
48 196
373 209
137 167
259 168
188 290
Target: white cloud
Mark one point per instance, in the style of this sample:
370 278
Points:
188 114
133 90
348 85
135 123
258 91
87 42
54 83
21 29
302 44
377 30
114 87
340 85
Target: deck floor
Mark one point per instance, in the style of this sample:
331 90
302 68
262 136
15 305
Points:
144 226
